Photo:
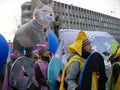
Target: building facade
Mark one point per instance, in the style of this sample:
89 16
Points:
78 18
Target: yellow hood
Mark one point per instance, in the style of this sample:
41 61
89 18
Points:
114 48
76 46
117 54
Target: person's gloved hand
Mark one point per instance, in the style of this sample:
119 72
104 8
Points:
77 88
48 82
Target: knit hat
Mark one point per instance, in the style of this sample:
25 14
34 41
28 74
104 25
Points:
40 48
14 55
86 42
80 41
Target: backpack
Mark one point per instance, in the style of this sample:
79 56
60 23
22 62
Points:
21 73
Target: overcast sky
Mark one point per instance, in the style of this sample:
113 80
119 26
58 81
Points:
10 11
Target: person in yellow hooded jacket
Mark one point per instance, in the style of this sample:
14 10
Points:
79 51
114 58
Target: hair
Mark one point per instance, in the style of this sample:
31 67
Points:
43 50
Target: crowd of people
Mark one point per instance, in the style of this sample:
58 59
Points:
84 70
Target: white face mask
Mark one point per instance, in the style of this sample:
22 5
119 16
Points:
45 14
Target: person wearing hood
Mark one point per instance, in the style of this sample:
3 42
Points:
41 67
114 58
6 85
79 51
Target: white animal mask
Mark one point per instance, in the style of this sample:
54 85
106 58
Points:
44 12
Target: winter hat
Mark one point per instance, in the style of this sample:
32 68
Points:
14 55
77 45
40 48
86 42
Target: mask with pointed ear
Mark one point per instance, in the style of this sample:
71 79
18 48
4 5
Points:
39 4
51 5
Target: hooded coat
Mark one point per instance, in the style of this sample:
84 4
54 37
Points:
114 82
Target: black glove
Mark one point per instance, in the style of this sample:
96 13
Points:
77 88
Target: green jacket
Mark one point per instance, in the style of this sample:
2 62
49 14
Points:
113 84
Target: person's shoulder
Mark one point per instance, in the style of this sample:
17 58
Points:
116 64
97 54
74 59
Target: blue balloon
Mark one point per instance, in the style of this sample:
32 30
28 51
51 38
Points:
4 50
52 42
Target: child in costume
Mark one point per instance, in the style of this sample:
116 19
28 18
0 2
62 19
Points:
41 67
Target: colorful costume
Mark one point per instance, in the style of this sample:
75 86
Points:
78 69
114 57
41 68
